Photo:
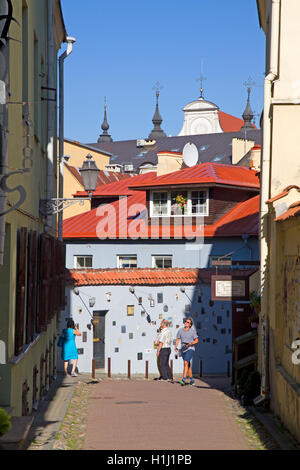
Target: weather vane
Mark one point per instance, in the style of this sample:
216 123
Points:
201 80
249 84
157 87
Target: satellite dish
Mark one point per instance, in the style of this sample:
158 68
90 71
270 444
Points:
190 154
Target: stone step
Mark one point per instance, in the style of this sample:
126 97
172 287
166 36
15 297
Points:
15 438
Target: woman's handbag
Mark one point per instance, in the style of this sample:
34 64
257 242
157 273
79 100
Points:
184 347
60 341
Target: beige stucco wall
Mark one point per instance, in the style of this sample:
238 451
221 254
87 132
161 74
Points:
285 323
168 162
17 370
280 241
285 168
78 153
71 186
240 148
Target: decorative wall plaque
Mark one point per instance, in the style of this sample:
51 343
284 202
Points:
229 287
130 310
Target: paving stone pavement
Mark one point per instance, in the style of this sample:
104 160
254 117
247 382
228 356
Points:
148 415
120 414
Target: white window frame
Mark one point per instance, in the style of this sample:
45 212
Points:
82 256
119 258
169 203
155 257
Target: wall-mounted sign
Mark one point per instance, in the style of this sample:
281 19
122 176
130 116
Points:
229 287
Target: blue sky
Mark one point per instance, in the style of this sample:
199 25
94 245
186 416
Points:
124 47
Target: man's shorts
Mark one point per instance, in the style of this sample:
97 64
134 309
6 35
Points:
187 355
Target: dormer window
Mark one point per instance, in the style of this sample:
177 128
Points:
160 203
179 203
199 203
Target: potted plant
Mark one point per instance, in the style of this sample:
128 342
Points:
255 305
179 204
5 423
255 301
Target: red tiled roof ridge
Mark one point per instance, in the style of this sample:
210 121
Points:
291 212
144 276
283 193
211 169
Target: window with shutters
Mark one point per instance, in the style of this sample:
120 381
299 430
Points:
20 289
40 284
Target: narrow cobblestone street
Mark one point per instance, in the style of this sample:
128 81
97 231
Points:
145 415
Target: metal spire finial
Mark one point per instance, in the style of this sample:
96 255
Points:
104 137
248 113
157 119
201 79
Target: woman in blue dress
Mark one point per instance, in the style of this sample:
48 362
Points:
69 350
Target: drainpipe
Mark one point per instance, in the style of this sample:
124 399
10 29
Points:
51 111
3 129
266 193
63 56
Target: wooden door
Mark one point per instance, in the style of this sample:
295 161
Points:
99 338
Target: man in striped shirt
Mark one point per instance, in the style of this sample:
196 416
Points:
164 350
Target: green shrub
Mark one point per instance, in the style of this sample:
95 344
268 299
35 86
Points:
243 378
5 423
251 387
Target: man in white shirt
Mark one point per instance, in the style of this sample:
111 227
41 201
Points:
164 350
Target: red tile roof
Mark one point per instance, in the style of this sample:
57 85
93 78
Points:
128 218
104 177
293 211
242 219
231 123
146 276
121 188
282 194
205 173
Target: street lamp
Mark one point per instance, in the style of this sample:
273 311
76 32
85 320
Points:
89 173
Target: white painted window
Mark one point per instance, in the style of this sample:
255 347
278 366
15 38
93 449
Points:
83 261
127 261
179 203
199 202
160 203
161 261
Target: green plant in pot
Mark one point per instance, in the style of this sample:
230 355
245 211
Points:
255 305
5 423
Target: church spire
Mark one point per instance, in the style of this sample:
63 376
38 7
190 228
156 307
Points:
104 137
157 132
248 113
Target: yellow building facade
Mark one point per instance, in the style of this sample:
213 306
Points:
75 153
280 213
28 316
